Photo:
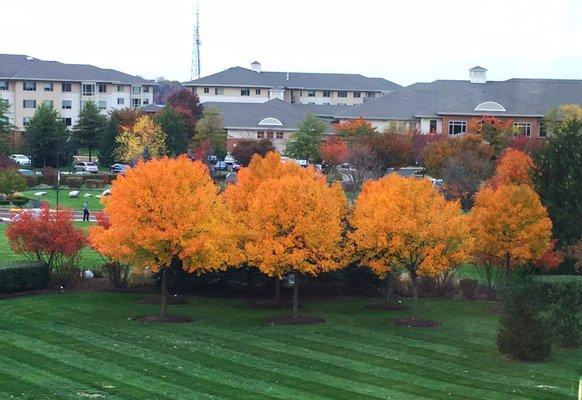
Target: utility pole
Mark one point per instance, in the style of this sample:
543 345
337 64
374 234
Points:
195 65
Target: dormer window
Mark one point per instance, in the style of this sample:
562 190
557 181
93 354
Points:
490 106
270 121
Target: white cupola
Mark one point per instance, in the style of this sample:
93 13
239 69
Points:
478 75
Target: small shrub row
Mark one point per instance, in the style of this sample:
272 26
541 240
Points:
21 276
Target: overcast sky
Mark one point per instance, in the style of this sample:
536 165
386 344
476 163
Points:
403 41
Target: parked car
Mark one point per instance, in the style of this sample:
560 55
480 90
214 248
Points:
236 166
229 160
86 167
220 166
118 168
26 172
302 163
21 159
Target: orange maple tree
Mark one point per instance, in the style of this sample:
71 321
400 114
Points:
402 223
509 224
354 127
334 151
295 222
513 168
167 212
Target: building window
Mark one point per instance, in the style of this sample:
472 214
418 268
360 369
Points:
543 130
48 87
357 95
102 104
88 89
279 135
146 102
432 126
67 104
136 103
245 92
120 88
3 85
136 89
457 127
25 121
326 93
260 135
219 91
68 121
524 128
102 87
28 103
258 92
66 87
29 86
269 135
311 93
371 94
342 93
146 89
206 90
48 103
120 101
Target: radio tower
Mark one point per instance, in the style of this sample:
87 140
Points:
195 66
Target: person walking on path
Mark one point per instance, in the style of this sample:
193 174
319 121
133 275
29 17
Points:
85 211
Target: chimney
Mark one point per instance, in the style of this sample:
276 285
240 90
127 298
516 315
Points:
478 75
256 66
287 76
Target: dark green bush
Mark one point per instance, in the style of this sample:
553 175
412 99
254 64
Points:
94 183
524 333
19 201
565 311
4 202
74 182
468 288
20 276
117 273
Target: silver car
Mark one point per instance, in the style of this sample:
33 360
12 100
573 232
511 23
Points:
86 167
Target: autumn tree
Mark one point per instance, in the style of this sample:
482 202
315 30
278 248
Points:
164 213
210 131
296 227
90 127
245 149
495 131
143 140
118 120
304 144
333 151
557 177
436 153
176 130
354 128
514 167
510 226
50 237
401 223
186 103
238 197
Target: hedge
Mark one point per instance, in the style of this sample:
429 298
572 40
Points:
19 276
94 183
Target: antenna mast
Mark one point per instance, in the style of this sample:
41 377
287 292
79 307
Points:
195 66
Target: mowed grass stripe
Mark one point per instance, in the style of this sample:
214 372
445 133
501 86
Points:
16 386
216 364
242 380
45 353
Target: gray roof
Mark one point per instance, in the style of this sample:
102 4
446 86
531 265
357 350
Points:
324 110
152 108
238 76
22 67
519 97
248 115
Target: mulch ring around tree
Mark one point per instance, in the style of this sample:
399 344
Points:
272 304
168 319
387 307
290 320
157 300
412 322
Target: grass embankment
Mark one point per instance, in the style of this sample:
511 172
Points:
86 345
75 204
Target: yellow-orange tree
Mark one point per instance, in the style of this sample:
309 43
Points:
513 168
407 224
238 196
143 140
295 223
509 224
165 212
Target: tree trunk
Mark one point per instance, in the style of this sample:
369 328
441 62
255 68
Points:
388 288
296 297
277 289
506 269
414 280
89 154
164 302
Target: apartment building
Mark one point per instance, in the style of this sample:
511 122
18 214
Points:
253 85
27 82
447 106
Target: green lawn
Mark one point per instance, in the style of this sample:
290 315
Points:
86 345
89 259
65 201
